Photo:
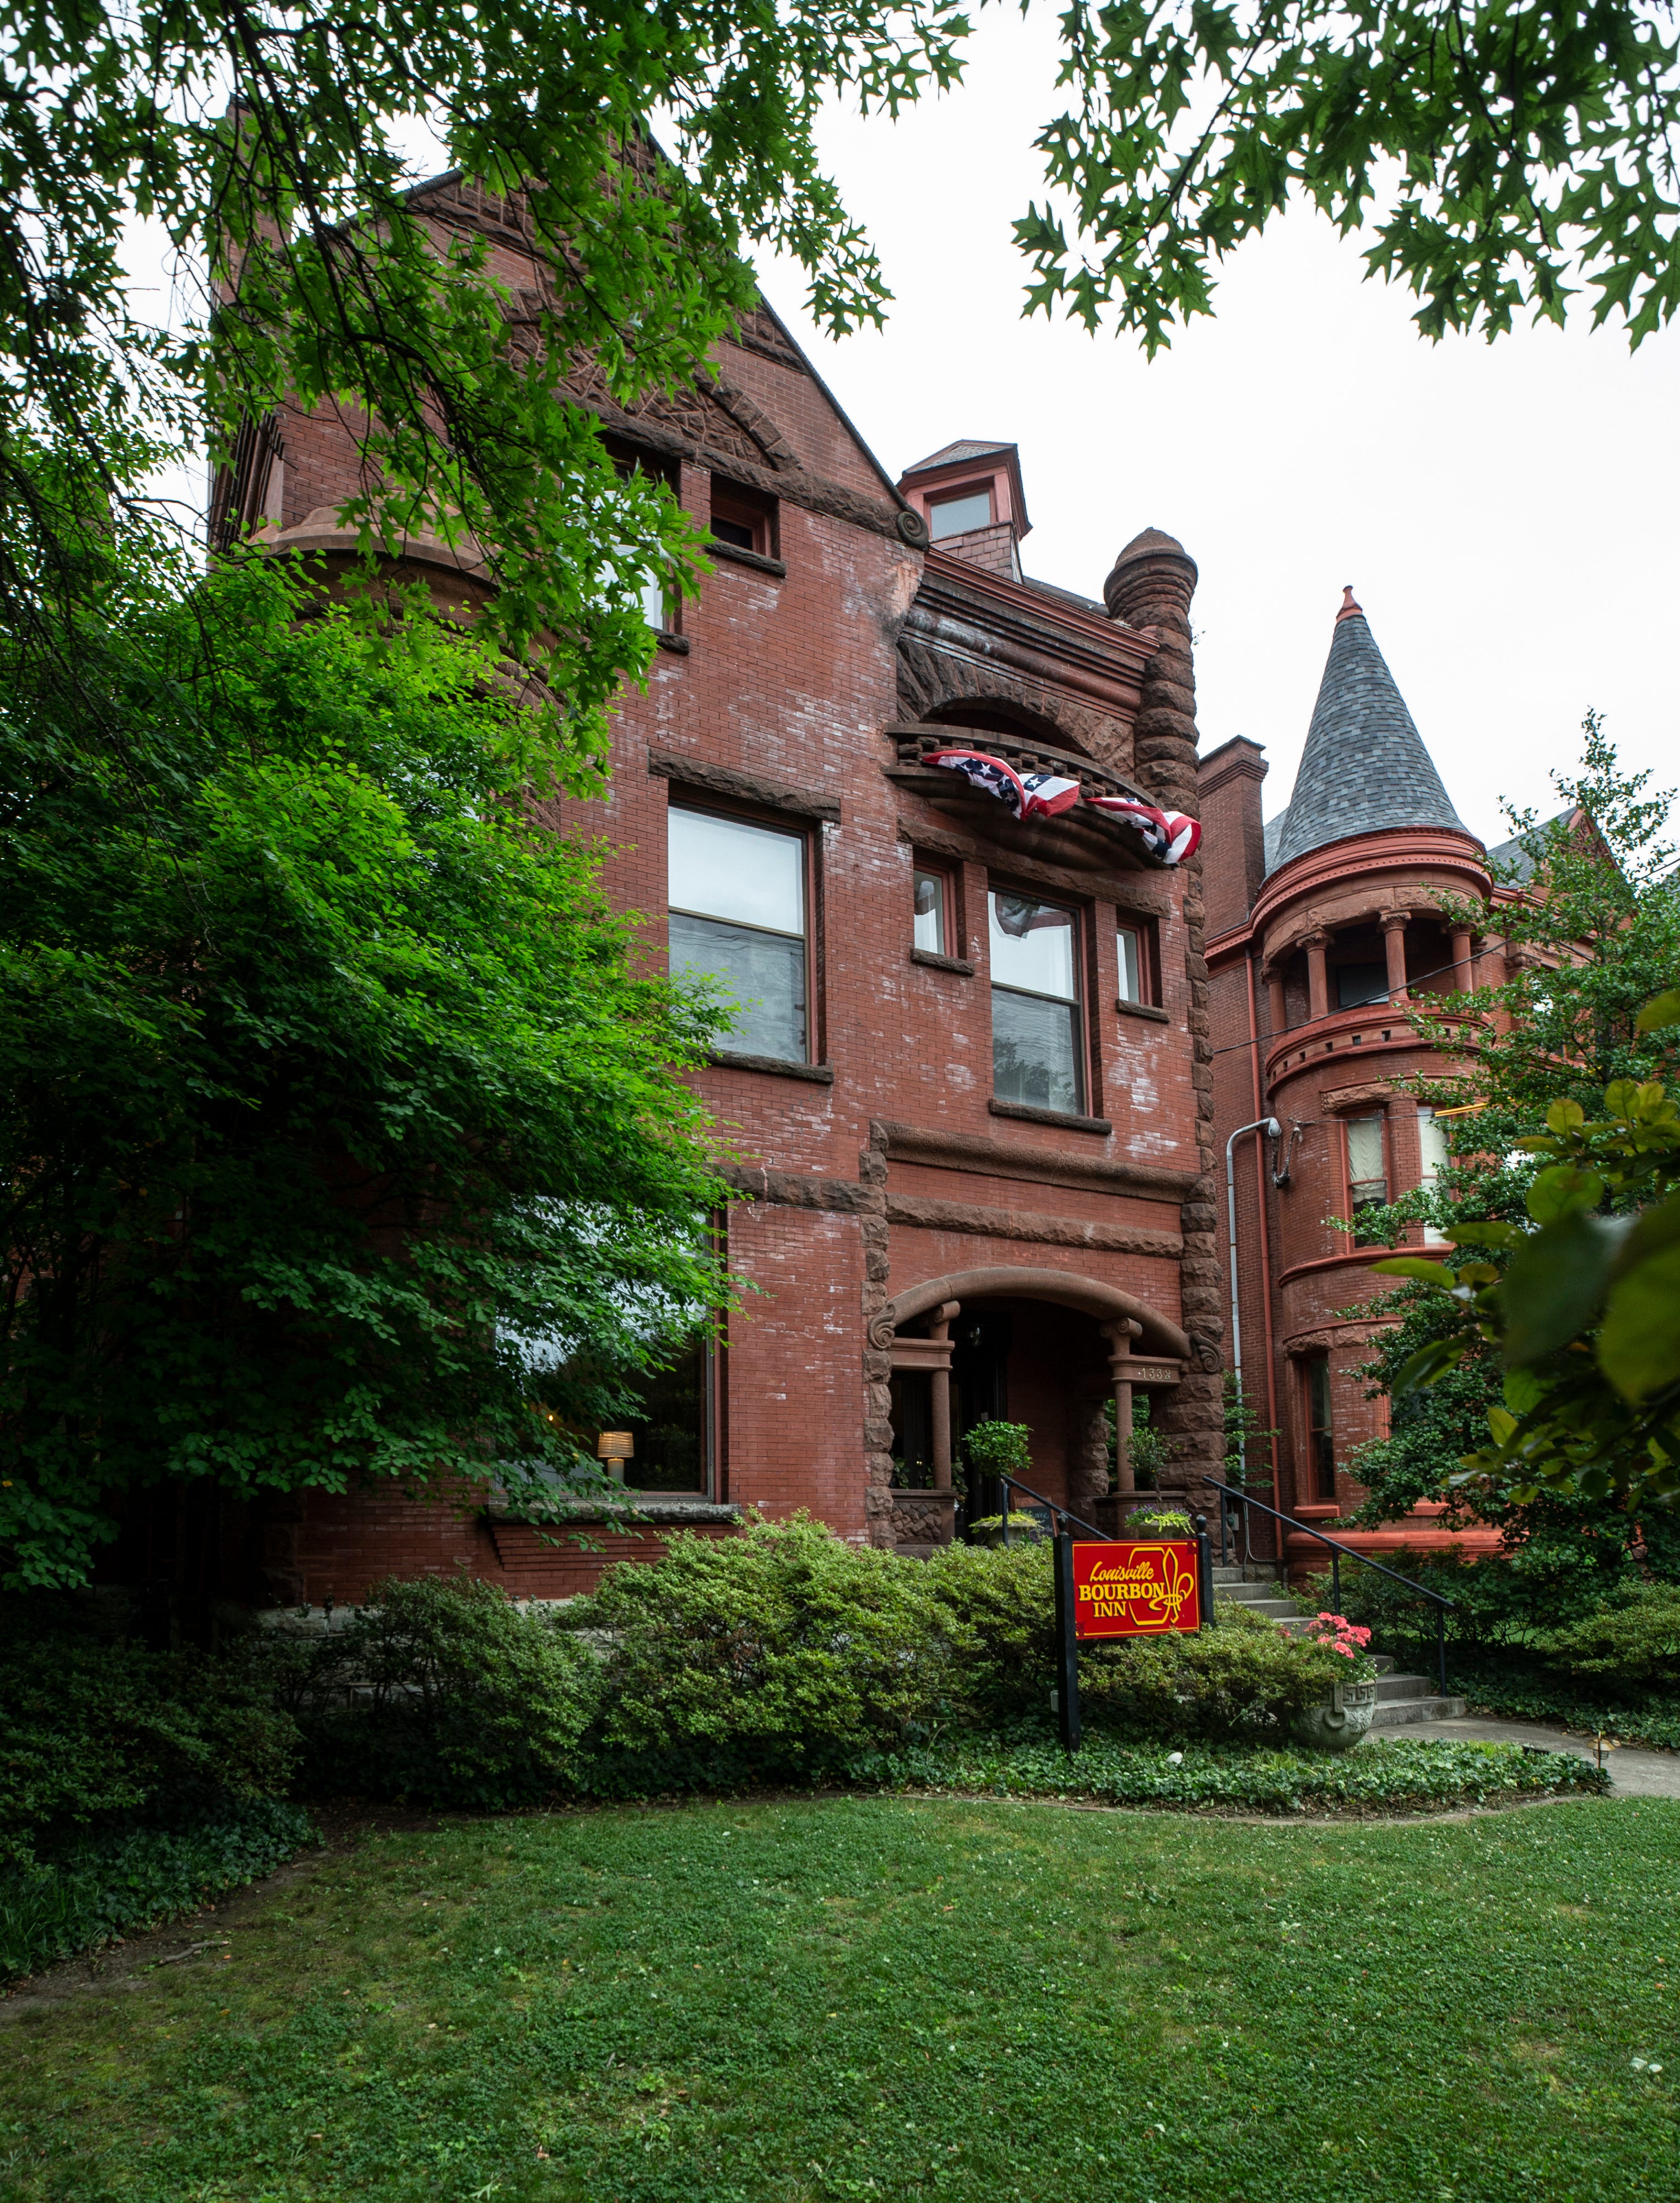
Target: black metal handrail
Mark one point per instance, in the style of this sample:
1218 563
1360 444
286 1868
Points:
1337 1548
1014 1483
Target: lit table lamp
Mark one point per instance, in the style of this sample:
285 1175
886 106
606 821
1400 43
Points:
615 1447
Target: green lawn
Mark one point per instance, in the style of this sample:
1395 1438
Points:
883 1998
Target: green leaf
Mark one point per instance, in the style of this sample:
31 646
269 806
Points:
1563 1191
1555 1286
1659 1015
1429 1363
1639 1345
1478 1234
1415 1266
1524 1390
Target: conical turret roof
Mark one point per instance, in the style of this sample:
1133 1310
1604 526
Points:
1365 769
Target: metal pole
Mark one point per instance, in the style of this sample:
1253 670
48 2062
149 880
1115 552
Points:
1203 1574
1272 1131
1006 1510
1066 1645
1440 1647
1335 1580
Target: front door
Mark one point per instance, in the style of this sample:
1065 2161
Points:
979 1394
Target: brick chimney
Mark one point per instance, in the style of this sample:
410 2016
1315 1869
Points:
1229 780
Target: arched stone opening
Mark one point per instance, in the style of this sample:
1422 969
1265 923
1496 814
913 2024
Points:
1038 1346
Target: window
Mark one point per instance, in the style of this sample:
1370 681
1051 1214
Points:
932 908
672 1424
1432 1144
657 607
1367 1173
1357 984
1320 1437
1036 1040
743 517
1132 968
737 915
956 516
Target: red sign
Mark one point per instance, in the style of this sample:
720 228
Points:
1143 1590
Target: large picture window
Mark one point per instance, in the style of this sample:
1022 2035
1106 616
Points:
1037 1041
1432 1144
1366 1172
736 893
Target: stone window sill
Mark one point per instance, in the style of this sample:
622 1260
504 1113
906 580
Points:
738 555
936 962
1063 1119
818 1074
1142 1010
668 639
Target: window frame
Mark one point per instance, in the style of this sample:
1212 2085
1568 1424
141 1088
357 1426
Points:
630 458
755 510
933 868
954 493
1142 931
1380 1118
1321 1447
808 836
1084 1065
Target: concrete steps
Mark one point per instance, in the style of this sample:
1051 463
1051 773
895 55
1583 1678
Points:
1401 1700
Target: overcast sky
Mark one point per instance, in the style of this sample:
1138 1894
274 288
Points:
1506 513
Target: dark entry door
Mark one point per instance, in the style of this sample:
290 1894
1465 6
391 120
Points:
980 1394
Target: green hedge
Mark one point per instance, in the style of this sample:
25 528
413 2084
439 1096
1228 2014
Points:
1386 1775
122 1879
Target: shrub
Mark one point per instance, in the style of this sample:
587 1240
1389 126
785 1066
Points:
1241 1678
1633 1644
772 1654
91 1730
1160 1522
443 1692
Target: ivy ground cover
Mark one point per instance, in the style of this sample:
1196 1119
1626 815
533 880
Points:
889 1997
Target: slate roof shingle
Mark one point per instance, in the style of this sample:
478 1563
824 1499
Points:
1365 769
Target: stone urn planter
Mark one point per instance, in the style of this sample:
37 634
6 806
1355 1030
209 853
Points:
1341 1722
1023 1531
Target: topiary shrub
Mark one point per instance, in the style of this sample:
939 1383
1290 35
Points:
94 1731
775 1655
443 1692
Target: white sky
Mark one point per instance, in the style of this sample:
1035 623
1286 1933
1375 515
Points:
1505 513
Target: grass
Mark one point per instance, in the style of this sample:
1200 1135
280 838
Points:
887 1998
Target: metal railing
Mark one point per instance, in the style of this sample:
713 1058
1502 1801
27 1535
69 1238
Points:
1229 1496
1014 1483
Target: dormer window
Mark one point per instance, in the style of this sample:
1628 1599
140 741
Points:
957 516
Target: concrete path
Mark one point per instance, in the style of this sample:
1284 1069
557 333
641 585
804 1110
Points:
1634 1774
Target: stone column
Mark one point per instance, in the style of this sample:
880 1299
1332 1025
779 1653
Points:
1119 1337
940 1381
1394 948
1152 583
1463 976
1318 977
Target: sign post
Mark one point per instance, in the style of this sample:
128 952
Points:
1066 1644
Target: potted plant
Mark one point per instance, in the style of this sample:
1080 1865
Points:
1344 1717
1156 1523
1024 1530
992 1449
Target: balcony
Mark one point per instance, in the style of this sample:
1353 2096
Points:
1079 840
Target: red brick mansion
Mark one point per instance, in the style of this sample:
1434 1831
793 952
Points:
980 1094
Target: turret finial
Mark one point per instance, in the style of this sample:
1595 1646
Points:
1350 610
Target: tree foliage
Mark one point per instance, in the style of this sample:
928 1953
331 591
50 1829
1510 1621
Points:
1508 153
339 1135
1562 1193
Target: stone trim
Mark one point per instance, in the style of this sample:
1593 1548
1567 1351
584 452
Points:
1038 1228
668 639
971 1151
1143 1010
1065 1120
934 962
1126 891
724 780
817 1074
1062 1288
738 555
797 1189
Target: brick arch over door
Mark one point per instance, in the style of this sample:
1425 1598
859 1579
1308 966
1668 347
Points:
1066 1289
